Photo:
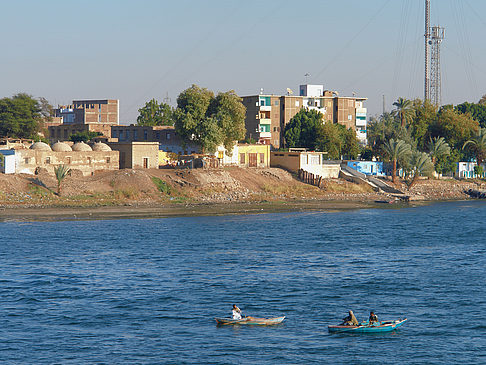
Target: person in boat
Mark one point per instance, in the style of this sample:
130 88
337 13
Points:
236 312
350 320
373 318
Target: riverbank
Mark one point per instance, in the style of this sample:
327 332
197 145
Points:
169 193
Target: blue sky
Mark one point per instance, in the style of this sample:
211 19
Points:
138 50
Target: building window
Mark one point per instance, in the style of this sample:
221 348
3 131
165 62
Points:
145 162
89 160
242 158
108 160
127 135
68 160
276 103
168 135
262 158
135 134
145 134
48 160
99 118
113 133
296 103
350 117
99 108
26 160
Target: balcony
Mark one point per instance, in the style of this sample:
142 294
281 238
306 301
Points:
266 108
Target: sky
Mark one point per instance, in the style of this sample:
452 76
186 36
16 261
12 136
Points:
134 51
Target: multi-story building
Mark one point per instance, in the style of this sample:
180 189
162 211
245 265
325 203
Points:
267 115
85 115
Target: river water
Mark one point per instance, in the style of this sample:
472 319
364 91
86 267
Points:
146 291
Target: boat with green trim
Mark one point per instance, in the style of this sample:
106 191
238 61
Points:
365 327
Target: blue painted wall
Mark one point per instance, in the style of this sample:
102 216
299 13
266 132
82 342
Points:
368 167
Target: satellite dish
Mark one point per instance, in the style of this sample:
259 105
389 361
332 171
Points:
289 91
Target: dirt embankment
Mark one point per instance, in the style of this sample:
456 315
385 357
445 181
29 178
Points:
169 187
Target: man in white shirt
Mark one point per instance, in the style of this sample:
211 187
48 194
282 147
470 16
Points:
236 312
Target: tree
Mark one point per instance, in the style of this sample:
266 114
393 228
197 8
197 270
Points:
482 101
420 164
304 128
329 139
396 151
228 110
455 127
424 114
477 144
20 116
208 121
84 136
61 172
153 114
379 130
403 110
476 111
438 147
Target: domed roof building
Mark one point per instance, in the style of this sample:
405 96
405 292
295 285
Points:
61 147
100 146
81 147
40 146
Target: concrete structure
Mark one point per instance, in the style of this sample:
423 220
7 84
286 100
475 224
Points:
465 170
267 115
312 162
245 155
85 115
137 154
168 140
374 168
40 155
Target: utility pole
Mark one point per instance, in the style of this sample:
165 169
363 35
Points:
383 104
427 39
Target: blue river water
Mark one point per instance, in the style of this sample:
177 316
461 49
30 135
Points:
146 291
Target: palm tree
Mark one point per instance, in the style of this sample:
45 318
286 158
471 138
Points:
61 172
438 147
477 145
404 110
396 151
420 164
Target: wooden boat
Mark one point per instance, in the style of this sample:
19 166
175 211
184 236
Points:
251 321
365 327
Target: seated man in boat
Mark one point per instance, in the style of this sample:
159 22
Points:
350 320
373 318
236 312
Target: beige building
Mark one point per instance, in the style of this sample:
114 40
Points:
85 115
311 162
80 157
134 155
267 115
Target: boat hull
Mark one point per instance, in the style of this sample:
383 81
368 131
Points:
365 328
250 321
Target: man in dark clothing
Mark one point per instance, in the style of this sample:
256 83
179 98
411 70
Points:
373 318
350 320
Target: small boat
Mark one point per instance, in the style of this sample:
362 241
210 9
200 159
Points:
251 321
365 327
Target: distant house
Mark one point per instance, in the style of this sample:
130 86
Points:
465 170
143 155
311 162
245 155
374 168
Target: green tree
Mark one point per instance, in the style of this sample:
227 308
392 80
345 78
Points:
20 116
330 140
153 114
423 116
396 151
420 164
84 136
61 172
304 128
455 127
403 110
379 130
438 147
351 147
208 121
476 111
228 110
477 145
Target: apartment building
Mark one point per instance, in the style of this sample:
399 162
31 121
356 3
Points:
85 115
267 115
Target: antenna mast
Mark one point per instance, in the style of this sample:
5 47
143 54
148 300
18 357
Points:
427 39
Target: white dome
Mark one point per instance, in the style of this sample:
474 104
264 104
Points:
41 146
81 147
61 147
99 146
